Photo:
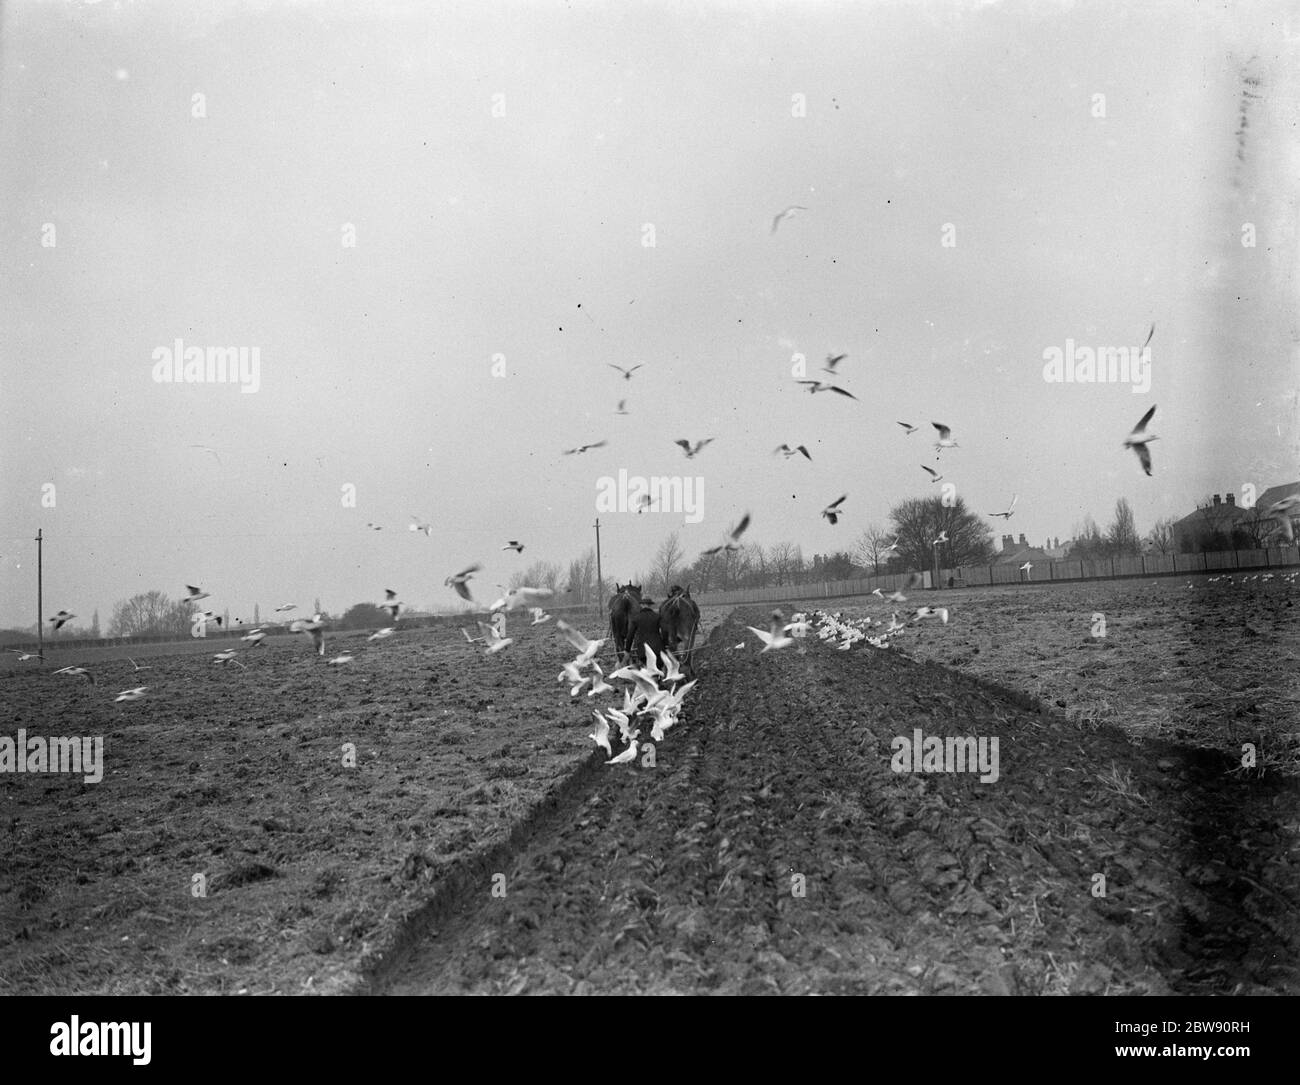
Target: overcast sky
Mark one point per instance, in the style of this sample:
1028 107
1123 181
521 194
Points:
524 234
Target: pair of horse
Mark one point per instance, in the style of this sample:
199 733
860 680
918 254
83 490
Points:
677 624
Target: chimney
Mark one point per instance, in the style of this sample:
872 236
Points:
1022 539
1216 499
1231 499
1007 542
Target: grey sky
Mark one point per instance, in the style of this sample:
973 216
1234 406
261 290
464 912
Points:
479 235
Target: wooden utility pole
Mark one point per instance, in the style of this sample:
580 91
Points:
600 579
40 616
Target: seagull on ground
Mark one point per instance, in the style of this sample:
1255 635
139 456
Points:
338 660
228 656
626 756
932 612
1138 439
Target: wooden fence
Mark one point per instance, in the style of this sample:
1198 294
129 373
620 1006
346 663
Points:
973 576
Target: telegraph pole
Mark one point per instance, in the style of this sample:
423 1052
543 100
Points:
40 616
600 579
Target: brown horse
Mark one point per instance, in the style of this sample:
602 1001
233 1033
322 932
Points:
623 606
679 620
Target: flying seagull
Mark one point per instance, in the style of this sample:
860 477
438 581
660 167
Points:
1137 440
27 655
207 449
255 637
732 541
131 694
382 634
460 579
1026 566
81 671
932 612
908 429
314 628
898 597
285 607
521 596
373 526
1149 335
1282 510
934 475
60 619
390 603
627 373
831 512
421 525
587 649
1007 515
787 451
622 404
820 386
540 617
600 736
514 545
195 594
775 637
945 436
690 449
832 362
583 448
789 212
943 538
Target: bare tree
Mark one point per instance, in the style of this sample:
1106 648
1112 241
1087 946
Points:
149 613
1161 535
540 574
1122 535
870 547
785 562
918 521
667 564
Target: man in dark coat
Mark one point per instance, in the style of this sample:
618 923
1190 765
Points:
645 630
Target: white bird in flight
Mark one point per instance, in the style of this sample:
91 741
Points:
908 429
587 649
314 628
1137 440
521 596
1007 515
79 671
789 212
284 608
934 475
1026 566
61 619
390 603
832 362
460 581
514 545
382 634
690 449
131 694
943 538
195 594
821 386
600 736
421 525
540 617
732 541
627 373
775 637
945 436
583 448
831 512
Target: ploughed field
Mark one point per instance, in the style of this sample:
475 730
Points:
480 845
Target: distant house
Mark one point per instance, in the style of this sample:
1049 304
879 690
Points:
1225 525
1020 552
